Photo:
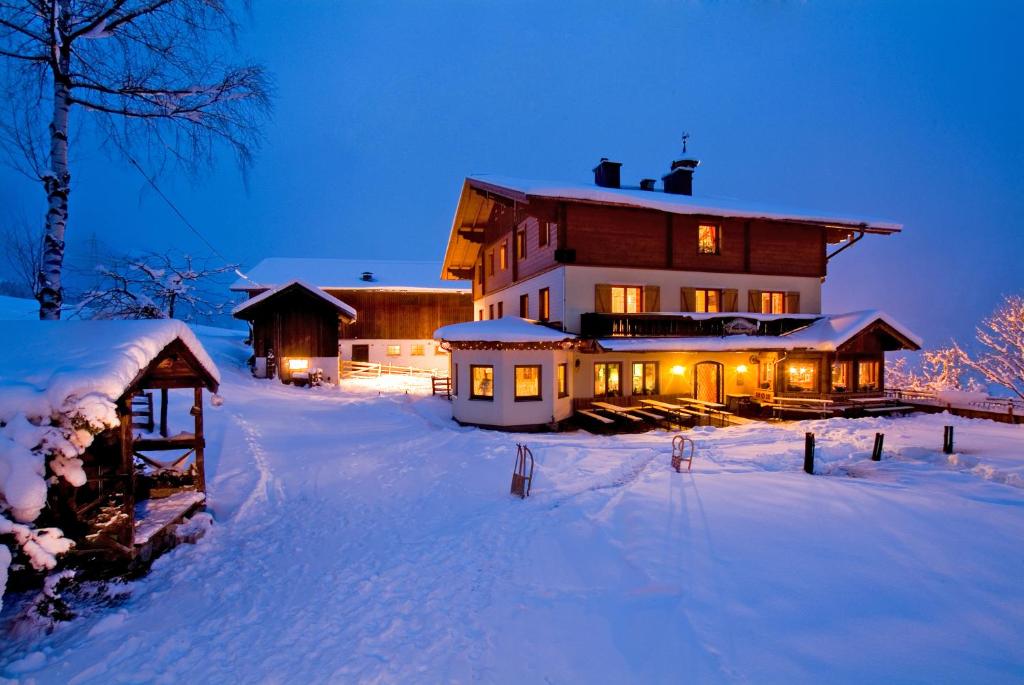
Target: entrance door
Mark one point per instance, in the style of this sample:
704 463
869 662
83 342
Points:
707 381
360 353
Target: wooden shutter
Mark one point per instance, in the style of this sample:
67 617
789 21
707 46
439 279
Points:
730 300
792 302
687 299
652 298
754 301
603 297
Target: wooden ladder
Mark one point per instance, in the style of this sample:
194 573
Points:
142 408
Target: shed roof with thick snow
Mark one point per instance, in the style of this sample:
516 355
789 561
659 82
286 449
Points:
49 364
349 274
509 329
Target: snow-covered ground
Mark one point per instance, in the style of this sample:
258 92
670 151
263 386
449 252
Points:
362 536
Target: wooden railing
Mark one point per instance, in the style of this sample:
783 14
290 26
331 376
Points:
351 369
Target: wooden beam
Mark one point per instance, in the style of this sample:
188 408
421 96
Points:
197 409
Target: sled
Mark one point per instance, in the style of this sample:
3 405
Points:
521 480
681 453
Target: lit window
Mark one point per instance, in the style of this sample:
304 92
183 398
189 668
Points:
482 381
503 256
708 301
867 376
645 378
545 304
394 350
524 306
298 364
773 302
764 375
418 350
627 299
607 379
527 383
544 233
840 376
563 380
708 239
521 243
802 376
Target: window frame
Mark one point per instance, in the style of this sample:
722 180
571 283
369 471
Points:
544 233
455 380
815 367
832 375
524 306
490 262
562 380
503 255
607 365
877 385
544 304
717 229
699 292
521 243
389 347
770 294
540 383
643 376
490 312
472 383
501 309
417 346
625 299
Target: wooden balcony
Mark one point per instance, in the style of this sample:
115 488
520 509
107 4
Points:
662 325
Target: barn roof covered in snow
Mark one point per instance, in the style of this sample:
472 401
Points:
827 333
243 310
348 274
509 329
52 363
474 203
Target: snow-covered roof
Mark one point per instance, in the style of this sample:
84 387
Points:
509 329
312 289
677 204
826 334
347 274
49 365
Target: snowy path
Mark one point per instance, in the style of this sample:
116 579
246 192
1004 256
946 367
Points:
368 539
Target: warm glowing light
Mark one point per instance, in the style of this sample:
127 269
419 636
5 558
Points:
678 370
298 364
742 368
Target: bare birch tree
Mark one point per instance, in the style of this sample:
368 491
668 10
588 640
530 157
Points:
23 252
151 74
1001 335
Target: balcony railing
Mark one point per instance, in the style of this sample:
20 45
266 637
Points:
600 325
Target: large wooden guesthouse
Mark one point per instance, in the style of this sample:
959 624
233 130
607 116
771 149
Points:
599 292
321 313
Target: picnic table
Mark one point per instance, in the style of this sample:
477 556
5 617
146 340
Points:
708 409
675 411
801 405
616 410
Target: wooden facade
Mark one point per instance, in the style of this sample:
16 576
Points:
294 323
400 314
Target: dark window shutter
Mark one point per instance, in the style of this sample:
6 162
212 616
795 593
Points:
602 298
754 301
730 300
792 302
652 298
687 299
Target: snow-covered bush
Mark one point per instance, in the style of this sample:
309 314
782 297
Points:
941 369
1001 336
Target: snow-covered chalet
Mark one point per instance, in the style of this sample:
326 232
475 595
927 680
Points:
589 293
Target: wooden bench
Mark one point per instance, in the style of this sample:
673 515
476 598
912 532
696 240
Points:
644 413
597 417
883 410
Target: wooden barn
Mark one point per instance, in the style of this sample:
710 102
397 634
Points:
145 473
342 315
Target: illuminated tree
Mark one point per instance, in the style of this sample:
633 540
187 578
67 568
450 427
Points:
1001 335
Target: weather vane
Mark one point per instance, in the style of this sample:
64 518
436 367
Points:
686 137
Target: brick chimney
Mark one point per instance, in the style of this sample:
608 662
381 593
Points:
606 173
679 181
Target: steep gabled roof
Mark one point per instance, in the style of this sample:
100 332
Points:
245 309
347 274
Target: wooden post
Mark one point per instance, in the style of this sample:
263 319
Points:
876 452
200 442
809 453
126 534
947 439
163 412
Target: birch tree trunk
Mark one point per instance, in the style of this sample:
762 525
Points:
57 179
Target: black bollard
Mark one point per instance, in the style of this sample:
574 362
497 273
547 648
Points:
876 453
809 453
947 439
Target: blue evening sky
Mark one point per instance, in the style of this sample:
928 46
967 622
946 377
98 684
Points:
906 111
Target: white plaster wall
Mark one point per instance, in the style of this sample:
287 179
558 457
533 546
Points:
430 360
553 280
503 410
580 282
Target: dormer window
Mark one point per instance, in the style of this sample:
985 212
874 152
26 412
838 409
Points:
521 244
709 239
503 256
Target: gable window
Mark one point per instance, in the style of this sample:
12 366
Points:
607 379
802 376
563 380
481 382
627 299
503 255
490 263
867 376
773 302
521 243
524 306
840 376
645 378
527 383
709 239
418 350
544 305
544 233
707 300
394 350
501 309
